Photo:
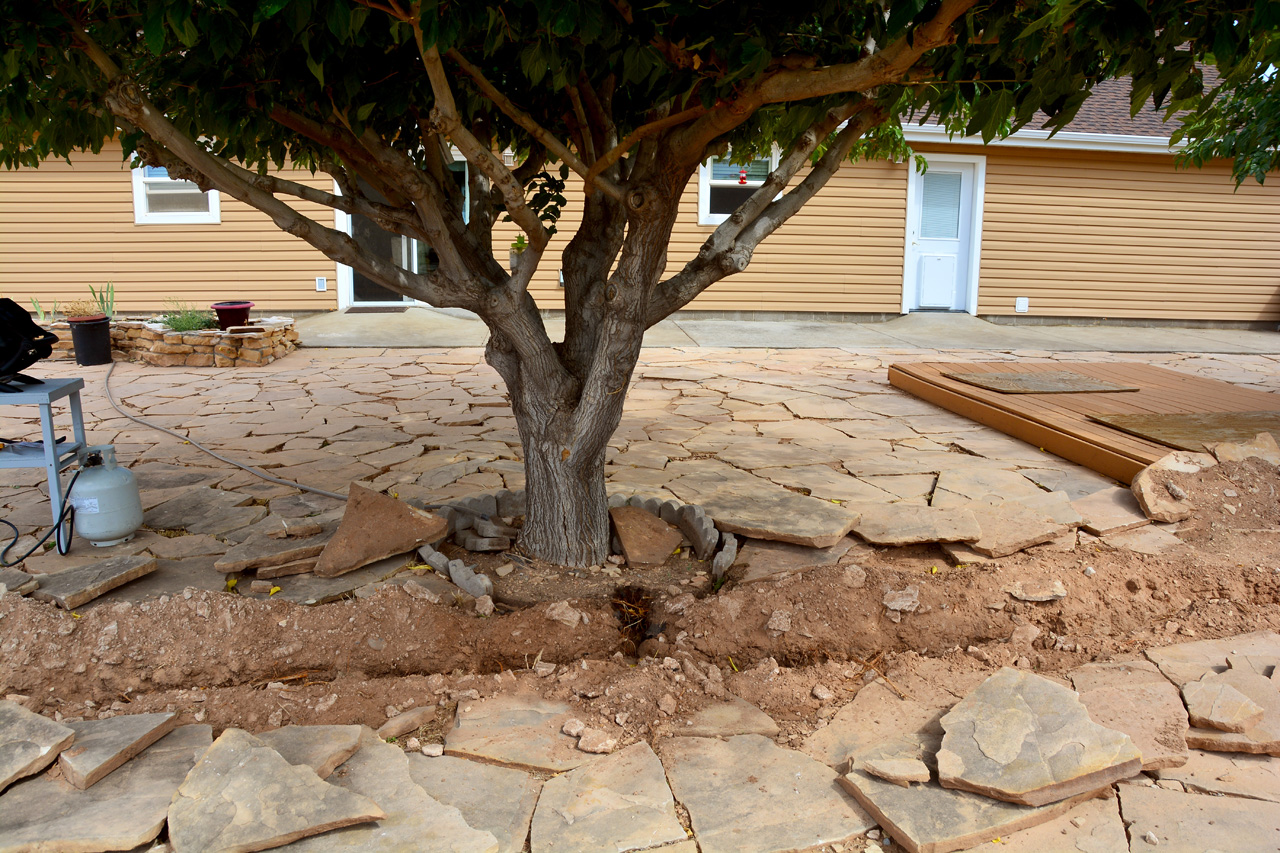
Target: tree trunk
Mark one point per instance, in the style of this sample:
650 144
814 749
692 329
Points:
567 515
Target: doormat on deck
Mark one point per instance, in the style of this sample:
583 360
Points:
377 309
1193 431
1045 382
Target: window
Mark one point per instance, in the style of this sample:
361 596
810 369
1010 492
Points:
161 200
723 186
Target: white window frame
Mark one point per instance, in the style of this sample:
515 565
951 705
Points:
143 216
705 216
979 163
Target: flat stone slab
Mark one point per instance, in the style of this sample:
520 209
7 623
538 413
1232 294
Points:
618 803
958 487
928 818
724 719
1008 528
1217 705
1148 540
1262 737
311 589
1228 774
876 715
746 794
779 515
494 799
17 581
322 748
71 588
374 527
263 552
123 811
899 771
1190 661
1110 511
223 802
770 559
103 745
414 820
1150 713
903 524
29 742
1195 823
1025 739
1093 676
181 547
202 509
515 729
825 482
1094 826
646 539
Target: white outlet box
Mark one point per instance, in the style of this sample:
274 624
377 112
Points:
1021 304
322 284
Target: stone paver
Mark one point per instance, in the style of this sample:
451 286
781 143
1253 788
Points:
1231 774
1260 737
103 745
619 803
1217 705
1195 823
322 748
902 524
375 527
515 729
29 742
1190 661
124 810
71 588
770 559
1024 739
223 804
1110 511
746 794
498 800
724 719
646 539
1094 826
1150 713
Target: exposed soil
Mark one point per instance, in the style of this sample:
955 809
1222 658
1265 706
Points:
229 660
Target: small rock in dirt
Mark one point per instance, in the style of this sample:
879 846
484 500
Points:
1024 635
1089 571
1037 590
409 721
667 704
596 742
412 744
505 569
544 669
573 727
780 621
420 592
621 718
564 612
433 750
1150 838
854 577
484 606
902 600
822 693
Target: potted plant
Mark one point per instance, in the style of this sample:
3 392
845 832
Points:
517 249
90 321
234 313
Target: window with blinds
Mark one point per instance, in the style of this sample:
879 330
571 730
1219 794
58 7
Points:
940 205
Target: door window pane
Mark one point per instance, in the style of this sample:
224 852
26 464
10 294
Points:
940 205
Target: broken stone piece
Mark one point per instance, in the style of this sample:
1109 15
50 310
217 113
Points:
264 551
646 539
1216 705
1149 712
1110 510
18 582
375 526
903 600
1024 739
1262 446
299 567
29 742
564 613
725 719
1263 736
219 806
899 771
409 721
1151 487
596 741
515 729
1038 590
905 524
103 745
71 588
322 748
1195 822
491 799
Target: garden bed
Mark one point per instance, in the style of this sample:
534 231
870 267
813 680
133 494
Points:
261 342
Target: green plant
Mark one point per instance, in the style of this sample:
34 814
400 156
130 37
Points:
183 318
520 244
40 312
104 297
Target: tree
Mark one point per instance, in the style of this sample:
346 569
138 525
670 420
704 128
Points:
630 99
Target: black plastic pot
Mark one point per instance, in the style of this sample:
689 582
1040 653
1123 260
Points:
232 313
91 337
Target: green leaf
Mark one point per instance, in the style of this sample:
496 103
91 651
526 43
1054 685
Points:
316 69
363 113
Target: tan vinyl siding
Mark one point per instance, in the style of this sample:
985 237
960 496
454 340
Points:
64 227
1085 234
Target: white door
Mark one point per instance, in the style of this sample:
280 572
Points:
943 222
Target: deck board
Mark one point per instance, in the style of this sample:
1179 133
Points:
1061 424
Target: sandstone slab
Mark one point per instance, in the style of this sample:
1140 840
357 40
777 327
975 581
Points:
71 588
322 748
779 515
1008 528
619 803
409 721
771 559
285 570
181 547
1024 739
899 771
17 581
242 796
1195 823
312 589
1263 736
822 481
123 811
515 729
1150 488
29 742
746 794
1217 705
1148 540
928 818
1093 676
202 509
103 745
902 524
1187 662
646 539
876 715
262 551
414 820
725 719
1110 510
1262 446
498 800
963 486
1094 826
374 527
1228 774
1150 713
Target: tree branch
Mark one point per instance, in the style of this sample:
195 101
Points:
642 132
524 120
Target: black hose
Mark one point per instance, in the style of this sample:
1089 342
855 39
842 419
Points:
66 514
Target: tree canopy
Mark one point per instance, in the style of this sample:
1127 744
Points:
379 94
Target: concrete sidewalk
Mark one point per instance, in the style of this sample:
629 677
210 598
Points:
430 327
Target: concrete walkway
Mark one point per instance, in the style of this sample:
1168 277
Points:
430 327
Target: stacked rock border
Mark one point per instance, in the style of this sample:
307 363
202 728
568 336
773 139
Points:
483 523
259 343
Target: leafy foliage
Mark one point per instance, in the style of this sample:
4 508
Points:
183 318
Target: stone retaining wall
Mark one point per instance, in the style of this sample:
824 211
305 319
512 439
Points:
261 342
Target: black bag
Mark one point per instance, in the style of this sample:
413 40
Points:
22 344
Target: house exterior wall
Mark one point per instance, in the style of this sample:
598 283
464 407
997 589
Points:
64 227
1079 233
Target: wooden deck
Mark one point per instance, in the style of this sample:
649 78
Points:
1060 423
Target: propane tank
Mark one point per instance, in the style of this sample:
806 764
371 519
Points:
105 496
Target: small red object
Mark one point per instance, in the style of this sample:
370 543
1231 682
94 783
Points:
742 176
